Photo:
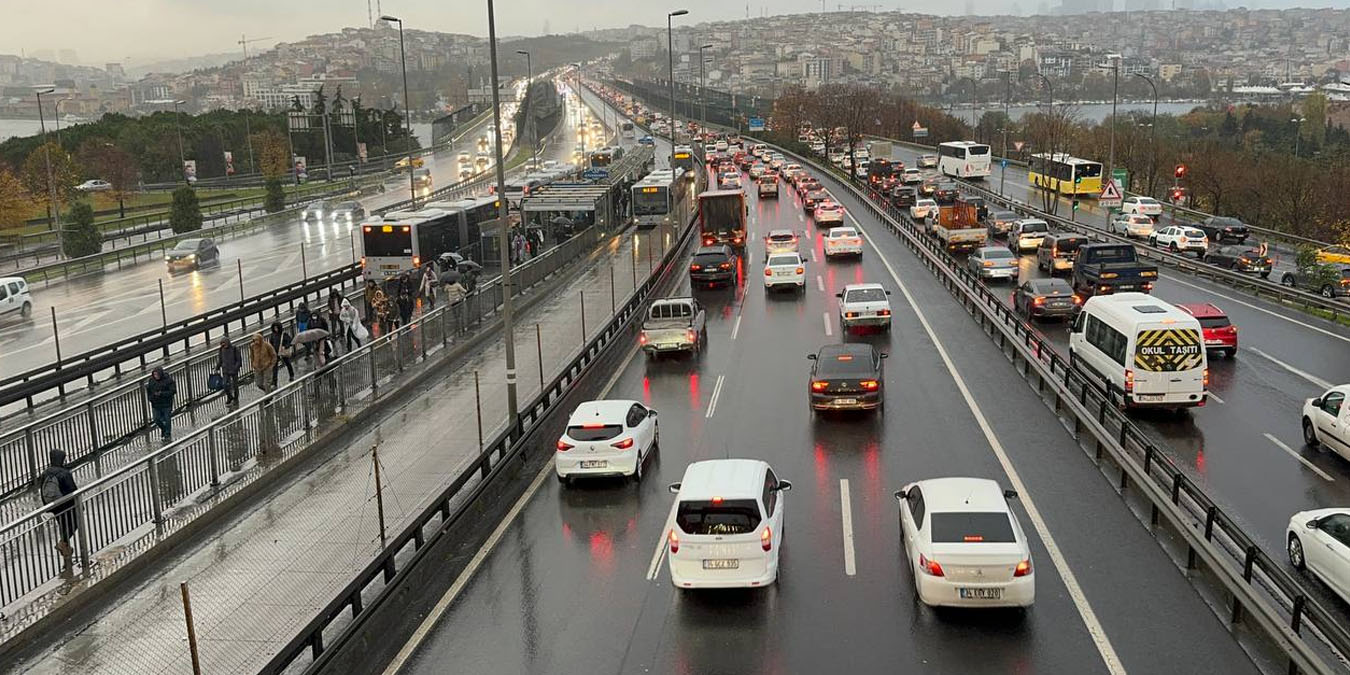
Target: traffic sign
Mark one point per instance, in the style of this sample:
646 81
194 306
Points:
756 124
1110 196
1017 145
919 130
595 174
1005 163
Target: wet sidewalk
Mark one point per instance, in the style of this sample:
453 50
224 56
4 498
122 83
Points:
255 585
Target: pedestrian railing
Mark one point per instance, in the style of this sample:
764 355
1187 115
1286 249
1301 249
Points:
1260 594
128 509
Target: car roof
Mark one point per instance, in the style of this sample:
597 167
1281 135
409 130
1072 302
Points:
860 287
962 494
725 478
855 349
1201 309
780 232
608 411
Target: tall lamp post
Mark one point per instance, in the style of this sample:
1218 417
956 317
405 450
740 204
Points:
503 235
1050 114
1007 122
1114 60
1152 134
407 111
1298 132
51 182
670 54
529 77
702 90
178 128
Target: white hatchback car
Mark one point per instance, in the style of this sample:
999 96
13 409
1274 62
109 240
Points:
785 269
842 241
923 208
827 212
1146 206
727 529
963 544
911 177
1179 239
780 241
864 305
1319 541
606 438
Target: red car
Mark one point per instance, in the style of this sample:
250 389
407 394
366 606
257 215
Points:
1220 334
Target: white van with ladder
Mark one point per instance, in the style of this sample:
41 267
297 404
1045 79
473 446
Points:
1143 352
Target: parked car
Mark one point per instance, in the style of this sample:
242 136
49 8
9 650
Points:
1240 258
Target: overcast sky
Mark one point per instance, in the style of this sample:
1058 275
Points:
139 31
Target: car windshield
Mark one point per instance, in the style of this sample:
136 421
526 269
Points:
1148 201
846 364
594 432
971 527
1214 322
188 245
781 237
996 253
783 260
1051 287
1035 227
865 295
1068 244
732 516
1004 215
840 233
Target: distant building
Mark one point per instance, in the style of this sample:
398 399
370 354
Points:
1169 71
69 56
116 70
644 47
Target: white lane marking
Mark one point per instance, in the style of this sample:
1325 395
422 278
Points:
829 329
660 553
850 566
801 217
1214 396
1260 309
434 617
1281 445
1080 601
712 401
820 284
1301 373
736 329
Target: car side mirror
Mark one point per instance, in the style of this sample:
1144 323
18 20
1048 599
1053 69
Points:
1317 402
888 292
651 413
1010 494
839 295
901 495
674 488
1312 524
784 485
811 357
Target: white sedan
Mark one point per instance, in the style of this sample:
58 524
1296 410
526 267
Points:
1319 541
1179 239
864 305
606 438
922 209
785 269
828 212
95 185
911 177
963 544
1134 225
842 241
780 241
1146 206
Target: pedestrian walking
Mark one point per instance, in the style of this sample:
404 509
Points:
383 312
302 317
353 332
405 308
428 290
454 293
160 391
262 358
56 483
334 307
371 289
228 363
282 343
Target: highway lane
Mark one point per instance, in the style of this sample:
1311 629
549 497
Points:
577 583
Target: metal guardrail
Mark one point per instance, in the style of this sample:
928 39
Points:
155 494
1262 594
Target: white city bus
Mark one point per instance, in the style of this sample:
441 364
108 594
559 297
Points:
405 240
661 198
964 159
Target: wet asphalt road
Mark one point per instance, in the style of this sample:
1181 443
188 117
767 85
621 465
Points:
577 583
1246 444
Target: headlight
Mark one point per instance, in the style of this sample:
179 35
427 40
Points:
192 256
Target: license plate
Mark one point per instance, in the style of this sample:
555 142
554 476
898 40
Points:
388 267
594 463
1214 342
980 593
1148 397
731 564
845 401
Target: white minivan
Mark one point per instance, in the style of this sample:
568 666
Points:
1142 351
14 297
727 525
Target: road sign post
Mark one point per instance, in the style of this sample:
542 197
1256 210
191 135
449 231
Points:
1110 197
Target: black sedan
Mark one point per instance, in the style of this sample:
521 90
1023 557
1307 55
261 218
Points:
847 377
946 193
1240 259
1045 298
192 254
348 212
904 197
713 265
1224 228
812 198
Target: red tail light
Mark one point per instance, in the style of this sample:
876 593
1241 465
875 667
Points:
690 335
850 315
883 312
1077 300
930 567
624 444
1206 378
766 538
707 241
564 447
674 542
642 338
725 266
1023 568
695 268
801 270
1129 380
768 272
870 385
819 385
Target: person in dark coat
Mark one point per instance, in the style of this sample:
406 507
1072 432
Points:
228 363
406 302
302 316
160 391
281 342
334 309
57 482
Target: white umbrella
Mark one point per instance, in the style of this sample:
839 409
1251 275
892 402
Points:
311 335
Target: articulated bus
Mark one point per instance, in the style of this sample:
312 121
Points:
404 240
662 198
1065 174
964 159
605 156
684 159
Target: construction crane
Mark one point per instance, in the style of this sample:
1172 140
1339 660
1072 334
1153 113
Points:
244 41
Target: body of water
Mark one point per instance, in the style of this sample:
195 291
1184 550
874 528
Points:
12 128
1087 112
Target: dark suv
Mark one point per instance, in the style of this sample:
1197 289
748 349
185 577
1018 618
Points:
904 197
946 193
713 265
1224 228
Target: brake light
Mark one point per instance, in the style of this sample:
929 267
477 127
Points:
707 241
1023 568
695 268
642 338
1148 286
870 385
417 261
690 335
819 385
883 312
766 538
930 567
363 262
1129 380
1206 378
564 447
624 444
736 240
674 541
1077 300
850 315
768 272
801 270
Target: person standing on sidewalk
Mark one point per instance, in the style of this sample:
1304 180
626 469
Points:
280 339
334 309
351 325
160 391
428 290
228 363
56 484
262 358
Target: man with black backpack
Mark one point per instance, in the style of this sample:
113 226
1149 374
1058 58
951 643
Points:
55 484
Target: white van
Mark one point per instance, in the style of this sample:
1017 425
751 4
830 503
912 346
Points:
1143 351
727 527
14 298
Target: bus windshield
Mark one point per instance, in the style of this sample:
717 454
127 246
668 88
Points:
1088 170
380 241
650 201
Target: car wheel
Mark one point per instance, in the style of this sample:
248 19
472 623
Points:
1287 280
1310 434
1173 247
27 311
1295 549
1152 241
1230 352
1328 292
637 471
565 481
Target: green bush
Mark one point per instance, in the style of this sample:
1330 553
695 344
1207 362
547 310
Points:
276 196
186 215
80 237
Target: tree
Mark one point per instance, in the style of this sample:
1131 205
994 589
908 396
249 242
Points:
186 215
116 166
273 155
1314 129
81 237
275 199
14 199
64 174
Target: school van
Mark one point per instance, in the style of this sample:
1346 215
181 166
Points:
1142 351
14 297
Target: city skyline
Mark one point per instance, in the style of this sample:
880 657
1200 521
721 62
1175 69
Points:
136 34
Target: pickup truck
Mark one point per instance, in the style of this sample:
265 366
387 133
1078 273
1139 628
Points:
673 325
958 227
1101 269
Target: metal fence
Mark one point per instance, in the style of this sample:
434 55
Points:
125 510
1261 594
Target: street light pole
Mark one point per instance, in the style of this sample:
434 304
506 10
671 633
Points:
702 91
1152 134
503 235
670 54
178 126
1007 121
529 78
407 111
51 182
1298 132
1114 59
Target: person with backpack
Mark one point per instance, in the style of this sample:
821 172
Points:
160 391
56 483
